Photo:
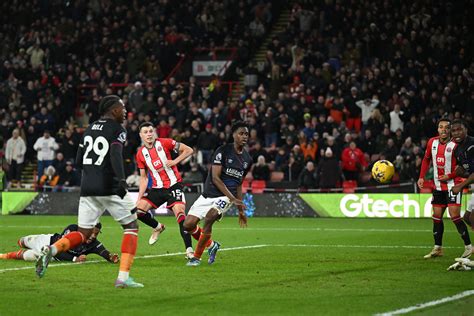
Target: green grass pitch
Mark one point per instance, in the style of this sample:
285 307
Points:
275 266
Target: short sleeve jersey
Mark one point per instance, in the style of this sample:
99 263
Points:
98 177
464 154
234 168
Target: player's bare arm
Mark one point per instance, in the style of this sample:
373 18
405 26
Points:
241 208
184 152
143 184
459 187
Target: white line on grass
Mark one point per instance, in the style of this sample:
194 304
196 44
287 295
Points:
276 229
137 257
361 246
428 304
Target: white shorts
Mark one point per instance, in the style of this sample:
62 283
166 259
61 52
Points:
36 242
470 203
202 205
92 207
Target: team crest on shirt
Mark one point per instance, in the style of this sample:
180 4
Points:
218 157
448 150
122 137
159 148
229 160
245 165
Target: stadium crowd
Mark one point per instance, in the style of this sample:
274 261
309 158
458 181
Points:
345 84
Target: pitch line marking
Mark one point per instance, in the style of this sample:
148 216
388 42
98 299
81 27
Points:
137 257
428 304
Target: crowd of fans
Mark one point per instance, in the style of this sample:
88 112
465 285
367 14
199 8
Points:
345 84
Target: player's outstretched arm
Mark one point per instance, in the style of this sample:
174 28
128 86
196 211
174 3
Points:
99 249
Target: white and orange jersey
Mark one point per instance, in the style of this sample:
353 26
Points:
444 163
154 161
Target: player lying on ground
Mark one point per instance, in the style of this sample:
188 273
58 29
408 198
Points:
103 187
440 151
465 166
462 264
222 189
154 158
31 247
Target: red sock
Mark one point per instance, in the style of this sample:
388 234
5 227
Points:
203 241
129 248
16 255
197 234
180 218
69 241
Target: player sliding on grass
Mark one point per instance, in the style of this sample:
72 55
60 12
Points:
154 157
440 150
222 189
465 161
31 247
103 187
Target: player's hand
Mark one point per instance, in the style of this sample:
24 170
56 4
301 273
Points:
242 220
114 258
171 163
238 203
443 178
456 189
81 258
420 183
122 189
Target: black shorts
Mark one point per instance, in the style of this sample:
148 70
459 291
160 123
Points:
172 196
446 198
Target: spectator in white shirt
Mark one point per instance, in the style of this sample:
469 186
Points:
15 154
367 107
396 121
46 147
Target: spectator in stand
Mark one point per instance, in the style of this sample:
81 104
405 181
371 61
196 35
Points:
194 175
68 177
133 180
45 147
353 162
396 119
59 163
163 130
49 178
353 113
309 147
69 145
328 171
367 106
206 143
308 178
15 154
270 128
391 151
261 170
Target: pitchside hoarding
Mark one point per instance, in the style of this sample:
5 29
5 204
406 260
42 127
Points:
372 205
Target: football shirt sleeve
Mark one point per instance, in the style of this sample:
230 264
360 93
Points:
139 160
168 143
218 157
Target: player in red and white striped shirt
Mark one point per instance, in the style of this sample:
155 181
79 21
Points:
154 158
440 150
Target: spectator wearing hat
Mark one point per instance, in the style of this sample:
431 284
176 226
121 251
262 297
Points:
15 154
329 170
45 147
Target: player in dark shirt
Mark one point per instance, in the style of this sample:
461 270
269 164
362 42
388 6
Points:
31 247
103 187
464 154
222 189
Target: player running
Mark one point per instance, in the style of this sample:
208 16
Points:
103 187
222 189
440 150
465 160
154 158
31 247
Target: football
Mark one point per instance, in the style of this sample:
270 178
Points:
383 171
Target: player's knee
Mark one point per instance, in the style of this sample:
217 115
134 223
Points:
189 225
131 225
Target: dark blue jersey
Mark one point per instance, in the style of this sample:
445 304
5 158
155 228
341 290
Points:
94 247
234 169
464 154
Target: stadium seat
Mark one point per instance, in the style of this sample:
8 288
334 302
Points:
245 186
349 186
277 176
258 186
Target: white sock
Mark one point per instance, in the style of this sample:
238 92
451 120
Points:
123 275
54 250
437 247
468 247
211 245
189 249
29 255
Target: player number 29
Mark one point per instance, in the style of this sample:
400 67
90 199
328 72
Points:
100 146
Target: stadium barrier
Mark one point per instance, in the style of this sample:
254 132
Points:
353 205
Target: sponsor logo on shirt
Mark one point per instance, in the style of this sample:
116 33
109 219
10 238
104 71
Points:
234 173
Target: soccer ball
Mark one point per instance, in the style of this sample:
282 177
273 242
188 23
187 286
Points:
383 171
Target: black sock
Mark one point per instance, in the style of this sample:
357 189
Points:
467 219
147 219
438 230
185 235
462 230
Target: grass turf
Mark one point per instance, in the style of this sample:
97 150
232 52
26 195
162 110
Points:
299 266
